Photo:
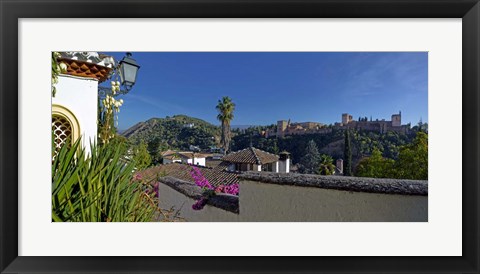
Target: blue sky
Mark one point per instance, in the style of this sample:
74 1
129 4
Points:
271 86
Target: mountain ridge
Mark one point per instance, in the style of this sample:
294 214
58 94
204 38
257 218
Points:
178 131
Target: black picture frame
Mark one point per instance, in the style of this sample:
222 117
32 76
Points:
11 11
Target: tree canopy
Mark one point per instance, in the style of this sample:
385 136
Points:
310 162
412 162
141 157
375 166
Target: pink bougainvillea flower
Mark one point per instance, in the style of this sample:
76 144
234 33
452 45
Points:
202 182
155 189
200 204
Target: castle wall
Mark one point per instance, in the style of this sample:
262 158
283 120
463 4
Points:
380 126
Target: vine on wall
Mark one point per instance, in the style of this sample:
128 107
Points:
57 69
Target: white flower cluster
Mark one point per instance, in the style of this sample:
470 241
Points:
110 103
115 87
111 107
63 67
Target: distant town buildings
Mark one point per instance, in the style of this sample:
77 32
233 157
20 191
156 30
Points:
285 128
249 159
186 157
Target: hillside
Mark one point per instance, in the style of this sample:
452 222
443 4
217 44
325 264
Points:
177 132
332 143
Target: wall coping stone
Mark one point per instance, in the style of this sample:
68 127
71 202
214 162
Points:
223 201
356 184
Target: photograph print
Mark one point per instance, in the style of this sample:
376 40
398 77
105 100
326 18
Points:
239 136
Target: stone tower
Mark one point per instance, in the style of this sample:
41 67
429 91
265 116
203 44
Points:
397 119
346 118
281 127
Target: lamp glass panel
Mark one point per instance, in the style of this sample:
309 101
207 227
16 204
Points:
130 73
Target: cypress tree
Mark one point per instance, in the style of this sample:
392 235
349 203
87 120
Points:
153 147
347 155
311 160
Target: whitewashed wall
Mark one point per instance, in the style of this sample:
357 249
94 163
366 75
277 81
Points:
80 96
168 161
286 203
198 161
284 166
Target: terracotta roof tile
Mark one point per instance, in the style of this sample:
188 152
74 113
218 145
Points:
85 69
251 155
182 172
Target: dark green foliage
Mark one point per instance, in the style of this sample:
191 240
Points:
155 148
347 155
375 166
275 148
311 159
141 157
412 162
390 142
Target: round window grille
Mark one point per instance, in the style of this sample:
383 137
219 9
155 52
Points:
62 132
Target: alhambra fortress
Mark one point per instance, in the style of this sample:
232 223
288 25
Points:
285 128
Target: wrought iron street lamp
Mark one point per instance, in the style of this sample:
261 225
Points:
127 71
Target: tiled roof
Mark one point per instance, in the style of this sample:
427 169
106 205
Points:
172 157
251 155
218 165
168 152
213 163
88 64
182 172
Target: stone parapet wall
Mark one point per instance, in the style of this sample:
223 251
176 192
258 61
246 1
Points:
357 184
273 197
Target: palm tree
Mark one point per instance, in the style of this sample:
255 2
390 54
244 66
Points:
326 165
225 109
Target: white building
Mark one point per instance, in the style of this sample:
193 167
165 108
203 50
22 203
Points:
75 104
185 157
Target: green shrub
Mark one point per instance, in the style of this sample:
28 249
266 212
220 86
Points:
98 187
